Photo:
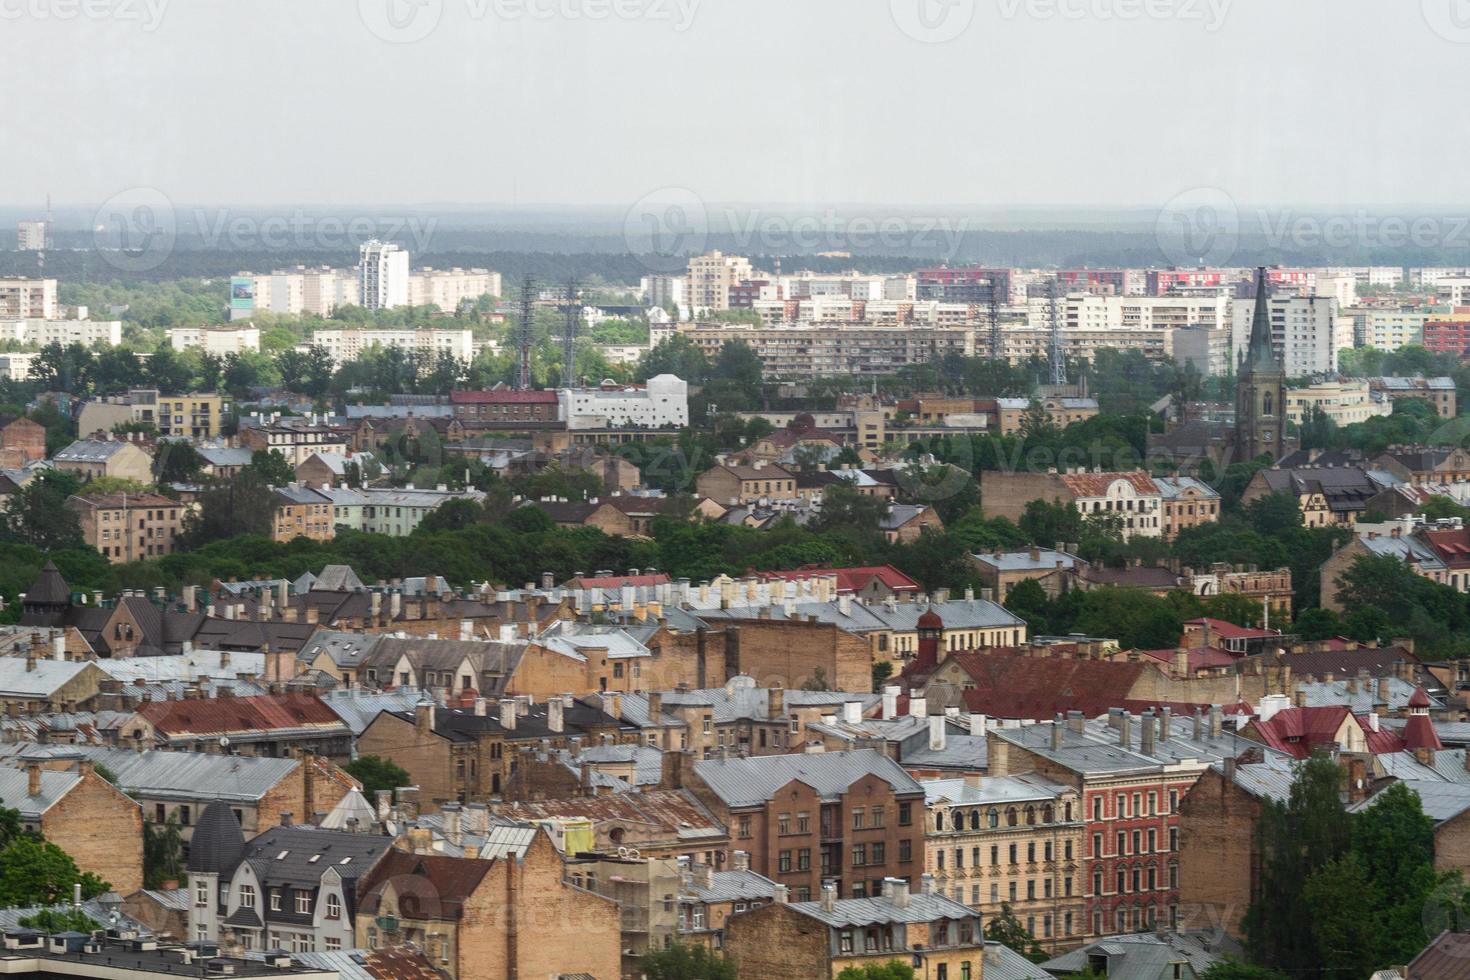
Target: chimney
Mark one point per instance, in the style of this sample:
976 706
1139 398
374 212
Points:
1056 732
33 779
1075 722
508 714
829 897
852 712
285 818
1125 730
1148 730
918 705
780 894
1166 723
890 702
1217 716
776 703
740 860
1199 732
900 893
453 827
554 714
937 731
423 718
977 724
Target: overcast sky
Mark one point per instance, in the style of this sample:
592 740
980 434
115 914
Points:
800 101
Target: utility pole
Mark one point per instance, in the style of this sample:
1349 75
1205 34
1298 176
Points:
1058 364
569 336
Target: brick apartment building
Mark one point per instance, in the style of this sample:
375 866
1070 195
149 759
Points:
130 527
850 818
502 405
1131 773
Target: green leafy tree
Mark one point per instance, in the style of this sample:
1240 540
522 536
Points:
177 462
376 773
1230 968
892 970
163 852
37 872
38 514
241 506
1006 929
685 961
272 467
59 920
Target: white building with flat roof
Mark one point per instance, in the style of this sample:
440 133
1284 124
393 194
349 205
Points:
30 236
449 289
1307 331
382 275
22 299
349 344
219 341
663 402
40 332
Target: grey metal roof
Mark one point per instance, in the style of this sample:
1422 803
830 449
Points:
750 782
735 702
1004 963
961 751
358 708
1140 956
1097 749
1171 487
1441 800
921 907
1362 701
10 918
1023 561
731 886
352 806
192 775
302 854
14 790
41 680
992 789
91 450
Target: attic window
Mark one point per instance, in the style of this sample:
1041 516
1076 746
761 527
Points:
282 855
344 860
313 859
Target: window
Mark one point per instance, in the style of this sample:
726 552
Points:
844 941
333 944
876 816
804 859
1153 840
1031 852
1066 850
1013 854
1097 808
905 851
1030 888
1173 838
879 854
803 823
275 900
303 902
201 893
783 862
744 826
1173 800
334 907
1097 882
857 819
905 814
860 855
247 896
783 824
939 860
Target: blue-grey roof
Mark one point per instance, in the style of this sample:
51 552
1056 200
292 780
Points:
921 907
735 702
358 707
1404 548
225 455
1139 956
750 782
1044 559
1171 487
1098 749
14 791
197 776
1004 963
1441 800
992 789
731 886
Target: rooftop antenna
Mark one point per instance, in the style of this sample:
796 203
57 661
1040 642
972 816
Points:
569 336
528 304
1058 365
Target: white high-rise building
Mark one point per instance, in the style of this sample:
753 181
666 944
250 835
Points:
1307 330
1454 291
449 289
30 236
712 275
382 275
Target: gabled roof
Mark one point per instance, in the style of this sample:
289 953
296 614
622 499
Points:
752 781
255 715
452 880
300 855
852 578
1010 684
1098 484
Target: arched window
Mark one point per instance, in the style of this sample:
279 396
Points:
974 819
1011 816
994 817
938 819
1268 404
1047 814
1030 815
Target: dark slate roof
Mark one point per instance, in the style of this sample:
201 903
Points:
218 843
749 782
300 855
50 587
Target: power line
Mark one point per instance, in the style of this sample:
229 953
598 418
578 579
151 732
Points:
1058 364
528 305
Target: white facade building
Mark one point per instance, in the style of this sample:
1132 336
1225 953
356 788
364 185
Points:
449 289
219 341
16 367
382 276
30 236
350 343
1451 290
1308 331
662 403
22 299
88 333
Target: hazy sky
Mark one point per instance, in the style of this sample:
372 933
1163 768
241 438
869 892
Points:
1109 102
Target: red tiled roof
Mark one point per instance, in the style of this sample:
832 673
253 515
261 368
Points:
1229 631
1385 741
1200 658
1299 731
502 397
853 579
786 438
617 581
1418 699
1419 733
447 881
1012 685
262 712
1451 545
1096 484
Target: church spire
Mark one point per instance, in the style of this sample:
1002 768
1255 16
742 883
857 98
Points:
1260 355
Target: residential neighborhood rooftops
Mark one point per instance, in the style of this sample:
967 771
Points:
752 781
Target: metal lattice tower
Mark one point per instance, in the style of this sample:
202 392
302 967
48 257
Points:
997 345
569 336
528 306
1058 364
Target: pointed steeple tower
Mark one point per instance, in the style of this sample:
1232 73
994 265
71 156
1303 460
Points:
1261 354
1260 394
48 600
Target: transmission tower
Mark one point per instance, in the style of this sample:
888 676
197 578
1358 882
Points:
997 351
569 336
528 305
1058 365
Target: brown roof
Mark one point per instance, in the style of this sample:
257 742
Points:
263 712
132 501
401 963
1096 484
1135 577
447 882
669 811
1447 958
1010 684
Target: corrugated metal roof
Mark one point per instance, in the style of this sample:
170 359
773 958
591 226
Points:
14 790
192 775
871 911
750 782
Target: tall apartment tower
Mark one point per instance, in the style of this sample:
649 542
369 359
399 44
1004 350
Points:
710 279
383 275
1260 393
